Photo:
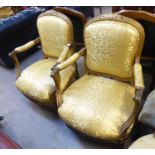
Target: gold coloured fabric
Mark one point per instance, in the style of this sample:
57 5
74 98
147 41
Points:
145 142
97 106
54 34
111 47
35 81
139 83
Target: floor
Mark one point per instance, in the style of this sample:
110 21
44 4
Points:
30 125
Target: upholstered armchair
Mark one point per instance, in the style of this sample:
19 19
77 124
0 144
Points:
104 103
56 38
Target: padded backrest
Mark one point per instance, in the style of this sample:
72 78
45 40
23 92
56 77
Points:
112 43
56 31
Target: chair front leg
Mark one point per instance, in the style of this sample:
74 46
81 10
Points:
16 61
132 119
56 77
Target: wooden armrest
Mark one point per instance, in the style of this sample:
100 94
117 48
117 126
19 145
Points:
22 49
138 76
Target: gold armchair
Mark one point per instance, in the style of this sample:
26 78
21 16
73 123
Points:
56 37
104 103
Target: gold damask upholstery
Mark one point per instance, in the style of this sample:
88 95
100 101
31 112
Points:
103 103
56 37
36 83
101 47
95 106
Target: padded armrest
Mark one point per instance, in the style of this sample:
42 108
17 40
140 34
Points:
27 46
71 60
139 82
21 49
24 47
64 54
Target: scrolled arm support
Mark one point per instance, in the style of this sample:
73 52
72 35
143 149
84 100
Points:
56 76
64 54
22 49
71 60
139 88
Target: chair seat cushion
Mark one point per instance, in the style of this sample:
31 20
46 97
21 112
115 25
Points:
145 142
97 106
147 115
35 81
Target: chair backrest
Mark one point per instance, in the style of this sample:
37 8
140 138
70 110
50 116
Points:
147 20
56 31
78 20
112 42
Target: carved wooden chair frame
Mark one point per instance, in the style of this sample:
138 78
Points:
139 88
